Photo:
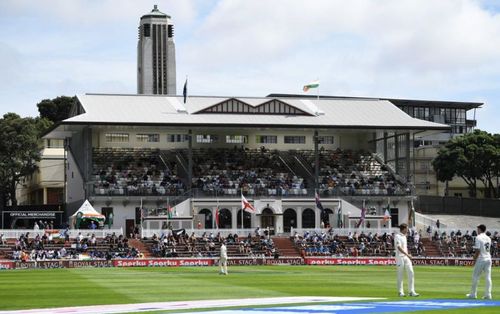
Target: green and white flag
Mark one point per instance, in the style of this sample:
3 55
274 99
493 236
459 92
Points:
314 84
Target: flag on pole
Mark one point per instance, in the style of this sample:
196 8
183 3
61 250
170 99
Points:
246 206
363 215
340 224
217 217
318 202
185 90
142 212
170 212
313 84
387 213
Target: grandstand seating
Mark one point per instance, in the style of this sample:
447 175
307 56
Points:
83 246
347 172
441 245
254 172
208 245
129 171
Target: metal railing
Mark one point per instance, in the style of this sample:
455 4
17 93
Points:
148 233
344 231
73 233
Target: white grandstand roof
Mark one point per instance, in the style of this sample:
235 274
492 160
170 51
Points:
170 110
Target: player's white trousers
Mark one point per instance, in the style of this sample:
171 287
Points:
482 265
404 264
223 265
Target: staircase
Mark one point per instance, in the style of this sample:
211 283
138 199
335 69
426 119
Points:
285 247
141 247
431 248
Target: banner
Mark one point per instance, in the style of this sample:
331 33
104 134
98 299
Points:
436 261
264 261
6 265
162 262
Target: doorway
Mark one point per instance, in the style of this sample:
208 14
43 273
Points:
129 227
267 219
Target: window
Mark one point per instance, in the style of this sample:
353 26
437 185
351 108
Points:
266 139
177 138
295 139
325 139
55 143
116 137
206 138
236 139
147 30
148 138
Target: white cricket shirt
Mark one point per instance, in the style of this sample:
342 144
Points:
483 244
400 241
223 251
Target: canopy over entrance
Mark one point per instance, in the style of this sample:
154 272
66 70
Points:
87 212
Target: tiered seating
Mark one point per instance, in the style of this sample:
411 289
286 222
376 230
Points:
330 244
353 173
458 244
208 245
89 247
255 172
128 171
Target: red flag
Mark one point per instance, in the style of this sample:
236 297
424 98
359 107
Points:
246 206
217 217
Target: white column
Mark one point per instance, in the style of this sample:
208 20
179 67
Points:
299 217
234 217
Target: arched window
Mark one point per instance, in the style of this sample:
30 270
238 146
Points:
308 219
208 217
225 219
289 219
325 216
247 220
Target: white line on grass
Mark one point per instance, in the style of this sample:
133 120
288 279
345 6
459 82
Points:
182 305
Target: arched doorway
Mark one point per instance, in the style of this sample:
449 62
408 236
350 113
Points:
247 220
225 219
208 220
289 219
308 219
267 219
325 217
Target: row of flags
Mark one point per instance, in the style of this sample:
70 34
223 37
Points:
248 207
387 212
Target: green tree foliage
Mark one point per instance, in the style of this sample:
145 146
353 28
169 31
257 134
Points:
19 151
56 109
473 157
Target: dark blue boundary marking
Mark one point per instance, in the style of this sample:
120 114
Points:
379 307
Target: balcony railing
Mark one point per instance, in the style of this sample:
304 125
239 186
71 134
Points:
259 192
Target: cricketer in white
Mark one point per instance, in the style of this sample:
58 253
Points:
403 262
482 263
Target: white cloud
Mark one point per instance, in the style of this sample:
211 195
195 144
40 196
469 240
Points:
446 49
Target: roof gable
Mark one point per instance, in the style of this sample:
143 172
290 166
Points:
271 107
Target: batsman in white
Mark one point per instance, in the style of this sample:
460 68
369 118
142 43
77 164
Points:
403 262
223 259
482 263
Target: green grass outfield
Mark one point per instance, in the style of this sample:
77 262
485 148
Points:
25 289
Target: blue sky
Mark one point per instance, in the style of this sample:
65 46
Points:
417 49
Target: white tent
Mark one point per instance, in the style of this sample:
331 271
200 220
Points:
88 212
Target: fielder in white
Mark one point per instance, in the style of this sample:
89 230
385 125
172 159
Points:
223 259
482 263
403 262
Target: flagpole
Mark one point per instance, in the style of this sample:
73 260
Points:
214 217
317 92
241 191
142 221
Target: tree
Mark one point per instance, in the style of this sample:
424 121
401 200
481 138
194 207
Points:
56 109
472 157
19 151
